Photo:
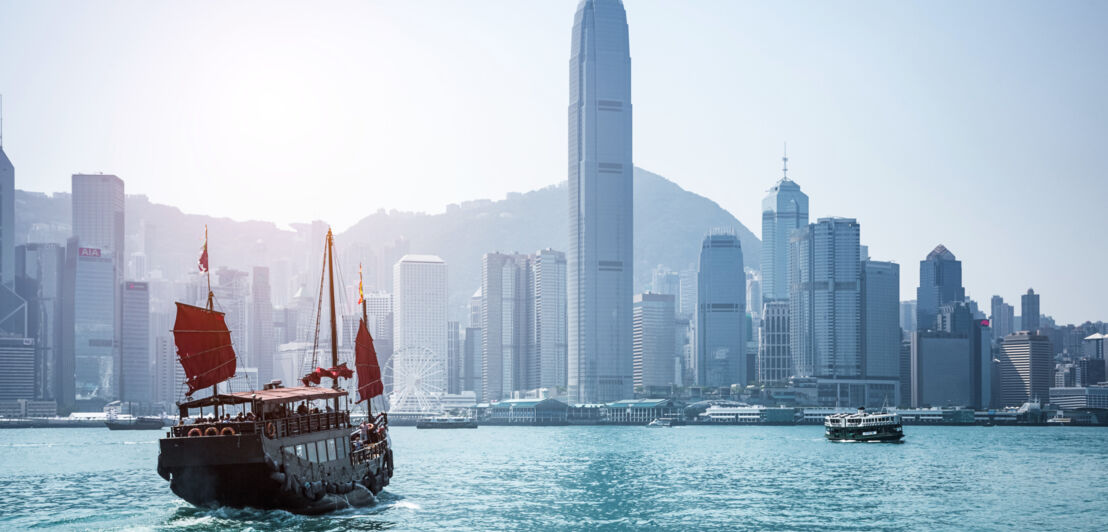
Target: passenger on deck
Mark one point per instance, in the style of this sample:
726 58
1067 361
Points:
302 409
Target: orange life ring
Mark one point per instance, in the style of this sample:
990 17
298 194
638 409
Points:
227 431
211 431
194 432
270 430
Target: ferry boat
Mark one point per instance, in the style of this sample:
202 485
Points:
864 427
134 423
292 449
661 422
447 422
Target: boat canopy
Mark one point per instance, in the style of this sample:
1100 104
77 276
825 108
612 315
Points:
274 395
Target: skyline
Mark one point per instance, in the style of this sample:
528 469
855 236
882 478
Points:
1012 111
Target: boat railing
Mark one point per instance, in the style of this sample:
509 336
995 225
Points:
291 425
369 452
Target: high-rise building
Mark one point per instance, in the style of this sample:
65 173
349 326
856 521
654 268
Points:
135 381
231 289
38 280
940 282
471 361
1030 312
665 281
880 319
506 321
551 345
653 340
475 309
263 347
686 304
390 254
98 222
753 295
774 360
784 210
908 316
1002 318
169 376
17 368
453 358
600 259
721 313
824 299
419 322
7 219
1026 368
943 369
87 366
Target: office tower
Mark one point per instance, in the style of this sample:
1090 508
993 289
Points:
378 307
1002 317
905 398
784 210
475 309
1026 368
880 319
38 280
7 219
88 327
665 281
98 222
721 302
472 366
135 379
943 370
686 305
753 295
453 358
506 321
600 259
17 368
653 341
550 345
231 288
774 360
940 282
1030 313
390 254
908 316
824 299
419 321
263 345
169 376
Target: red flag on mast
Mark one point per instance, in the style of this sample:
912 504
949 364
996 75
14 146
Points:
365 361
203 262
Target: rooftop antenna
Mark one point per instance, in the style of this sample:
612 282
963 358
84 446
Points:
785 161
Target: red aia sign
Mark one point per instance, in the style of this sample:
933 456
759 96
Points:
89 252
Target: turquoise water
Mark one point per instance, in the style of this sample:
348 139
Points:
549 478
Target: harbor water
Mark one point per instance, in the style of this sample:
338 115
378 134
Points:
570 478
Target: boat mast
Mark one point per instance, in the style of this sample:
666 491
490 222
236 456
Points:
365 323
334 326
211 296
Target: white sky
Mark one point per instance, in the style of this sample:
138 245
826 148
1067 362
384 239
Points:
982 126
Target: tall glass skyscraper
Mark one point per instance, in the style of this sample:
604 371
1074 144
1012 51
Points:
721 313
940 282
599 262
824 299
784 210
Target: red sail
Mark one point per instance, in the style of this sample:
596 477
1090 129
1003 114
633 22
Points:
365 361
203 346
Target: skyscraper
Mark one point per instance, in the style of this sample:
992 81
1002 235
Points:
721 313
908 316
940 282
1026 368
1003 317
88 357
135 380
824 299
654 340
784 210
453 358
98 222
774 360
7 219
686 304
665 281
880 319
550 345
600 258
38 280
505 279
1029 311
263 347
419 321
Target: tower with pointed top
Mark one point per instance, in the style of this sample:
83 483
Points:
599 263
784 210
940 282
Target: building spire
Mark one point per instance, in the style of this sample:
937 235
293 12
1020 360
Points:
785 162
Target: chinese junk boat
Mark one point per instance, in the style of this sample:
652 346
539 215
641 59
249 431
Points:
864 427
288 448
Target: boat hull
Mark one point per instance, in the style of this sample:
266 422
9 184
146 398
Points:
250 470
138 424
888 434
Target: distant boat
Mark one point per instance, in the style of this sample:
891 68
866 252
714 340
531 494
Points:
864 427
447 422
661 422
137 423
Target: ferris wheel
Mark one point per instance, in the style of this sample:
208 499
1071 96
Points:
417 378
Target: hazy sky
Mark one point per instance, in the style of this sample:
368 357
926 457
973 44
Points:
979 125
